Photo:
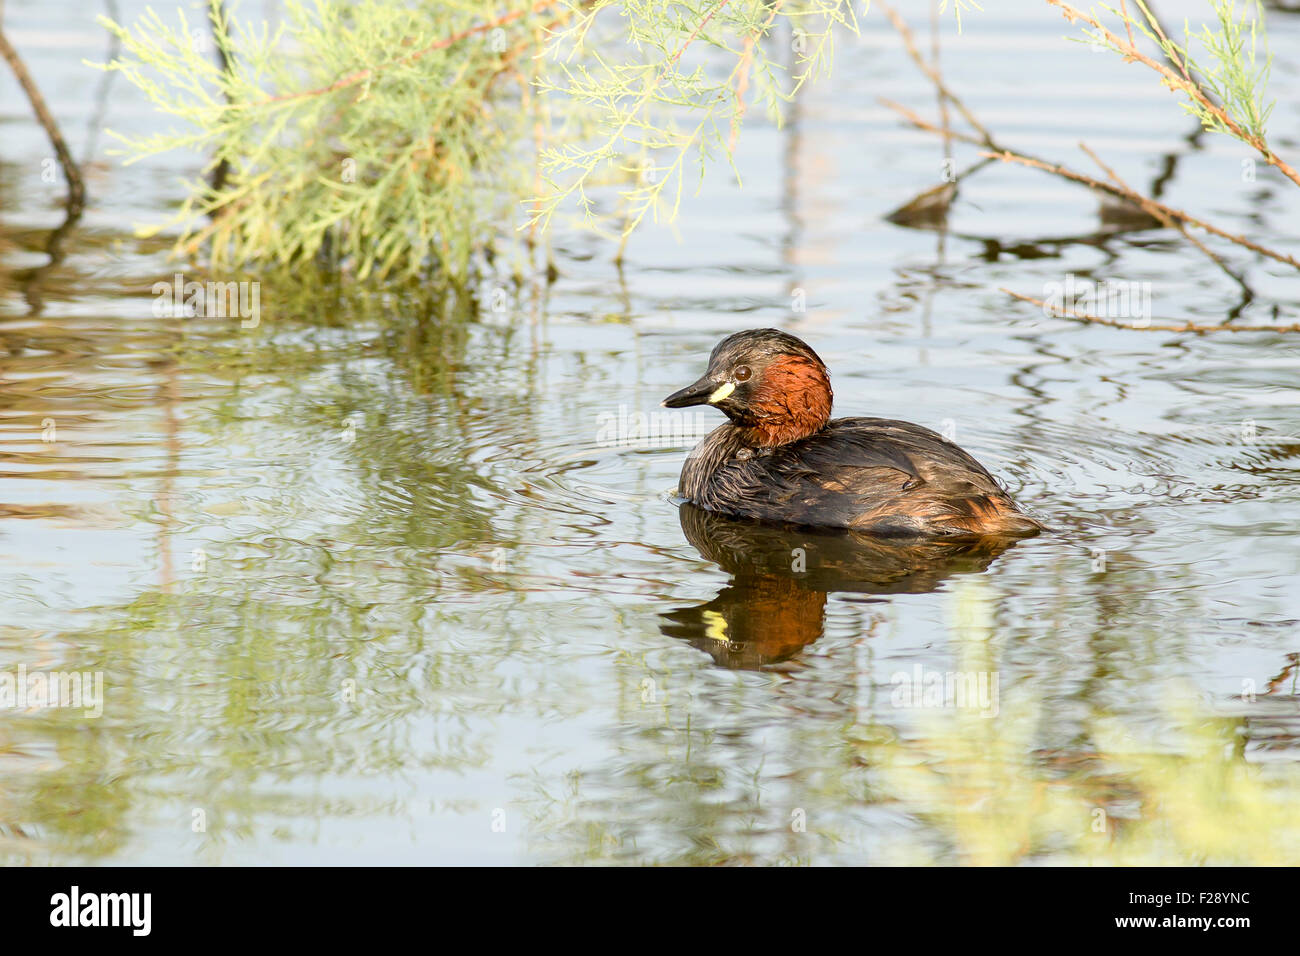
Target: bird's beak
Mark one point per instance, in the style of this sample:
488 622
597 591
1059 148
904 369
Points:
704 392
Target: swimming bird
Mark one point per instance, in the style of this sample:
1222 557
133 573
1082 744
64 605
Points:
781 458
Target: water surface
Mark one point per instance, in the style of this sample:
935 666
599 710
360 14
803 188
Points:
391 579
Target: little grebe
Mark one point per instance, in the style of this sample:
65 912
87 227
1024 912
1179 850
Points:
782 459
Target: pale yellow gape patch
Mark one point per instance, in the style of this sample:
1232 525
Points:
721 392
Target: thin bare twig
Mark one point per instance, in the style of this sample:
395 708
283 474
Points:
1166 326
1182 82
1178 214
1169 216
76 187
691 39
1153 209
742 70
1123 6
1057 169
932 72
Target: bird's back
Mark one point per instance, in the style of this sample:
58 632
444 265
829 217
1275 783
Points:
871 474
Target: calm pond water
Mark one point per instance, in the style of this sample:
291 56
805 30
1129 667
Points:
388 579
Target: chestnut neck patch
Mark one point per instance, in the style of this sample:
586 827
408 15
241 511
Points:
792 401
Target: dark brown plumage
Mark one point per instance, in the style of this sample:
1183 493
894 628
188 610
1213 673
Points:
781 459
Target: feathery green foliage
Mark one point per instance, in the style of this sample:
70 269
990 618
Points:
403 138
1229 68
354 128
1236 79
676 91
424 138
958 6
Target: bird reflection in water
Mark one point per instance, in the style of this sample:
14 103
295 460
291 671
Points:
775 604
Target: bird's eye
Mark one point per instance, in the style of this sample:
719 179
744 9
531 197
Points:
742 373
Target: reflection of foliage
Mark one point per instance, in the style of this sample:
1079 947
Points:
1163 786
224 689
969 778
1204 803
995 801
995 798
978 789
